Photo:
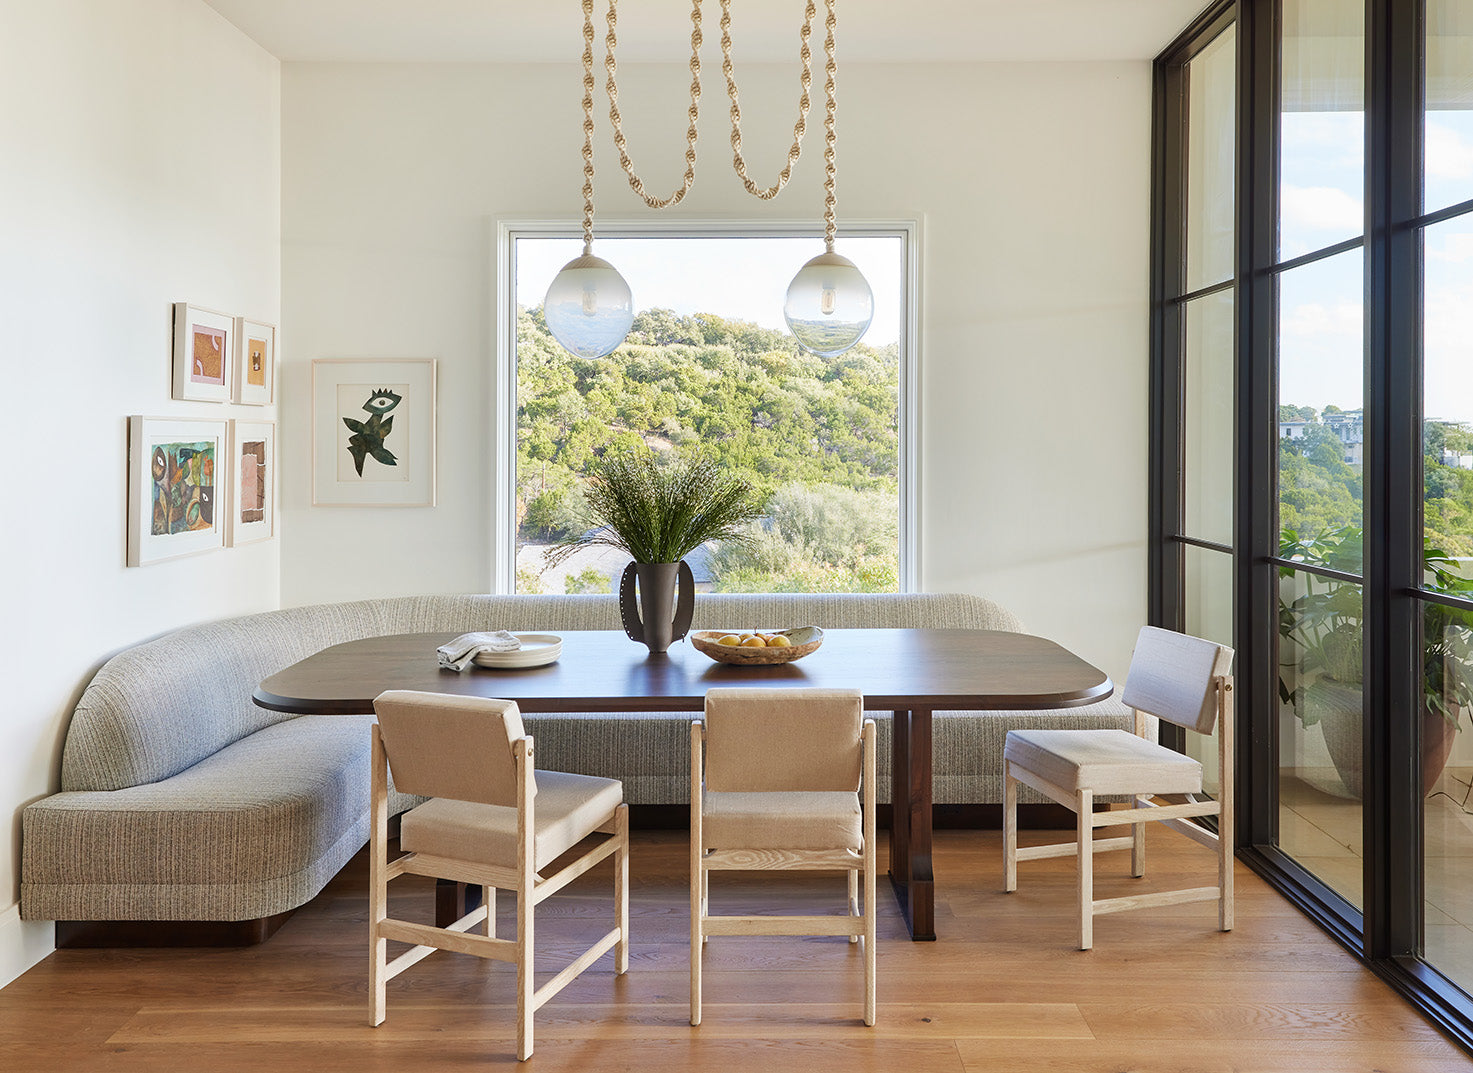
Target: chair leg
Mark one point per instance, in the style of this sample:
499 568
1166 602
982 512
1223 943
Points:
1009 829
621 890
697 930
1224 876
524 973
1138 843
1084 805
378 892
854 898
870 942
488 899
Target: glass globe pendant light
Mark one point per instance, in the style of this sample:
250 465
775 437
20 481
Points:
829 305
589 307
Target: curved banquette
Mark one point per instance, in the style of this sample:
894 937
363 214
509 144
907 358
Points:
181 800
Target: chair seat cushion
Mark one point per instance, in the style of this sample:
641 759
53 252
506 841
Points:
1104 761
567 809
792 819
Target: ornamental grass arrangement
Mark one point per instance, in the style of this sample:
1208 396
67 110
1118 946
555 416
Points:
660 511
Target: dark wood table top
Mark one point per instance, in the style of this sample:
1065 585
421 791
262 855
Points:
605 671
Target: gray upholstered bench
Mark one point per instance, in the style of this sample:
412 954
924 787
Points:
181 800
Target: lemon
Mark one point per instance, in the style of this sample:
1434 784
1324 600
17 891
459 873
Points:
754 642
730 639
778 641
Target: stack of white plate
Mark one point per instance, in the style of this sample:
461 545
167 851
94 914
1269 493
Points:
538 650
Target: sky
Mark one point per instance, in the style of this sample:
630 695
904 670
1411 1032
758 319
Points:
1321 203
737 278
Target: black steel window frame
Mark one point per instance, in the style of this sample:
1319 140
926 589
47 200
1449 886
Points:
1387 934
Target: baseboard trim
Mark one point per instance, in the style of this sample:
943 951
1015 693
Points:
23 943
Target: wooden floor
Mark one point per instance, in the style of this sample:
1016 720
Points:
1002 990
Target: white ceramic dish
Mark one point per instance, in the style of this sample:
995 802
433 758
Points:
538 650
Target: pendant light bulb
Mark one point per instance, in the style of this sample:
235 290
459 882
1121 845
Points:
589 308
829 305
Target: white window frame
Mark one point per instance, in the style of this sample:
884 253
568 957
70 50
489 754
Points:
503 402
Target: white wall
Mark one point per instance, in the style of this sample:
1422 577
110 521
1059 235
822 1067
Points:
1032 182
141 147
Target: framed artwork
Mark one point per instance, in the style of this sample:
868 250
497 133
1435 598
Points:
174 502
373 432
252 482
255 362
204 349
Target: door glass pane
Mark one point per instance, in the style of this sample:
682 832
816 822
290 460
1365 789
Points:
1447 405
1320 413
1320 741
1447 132
1207 418
1207 599
1322 148
1211 98
1447 775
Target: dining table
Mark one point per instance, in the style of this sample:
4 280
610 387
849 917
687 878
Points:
911 673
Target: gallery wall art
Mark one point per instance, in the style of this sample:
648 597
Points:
174 488
252 507
204 354
255 362
373 432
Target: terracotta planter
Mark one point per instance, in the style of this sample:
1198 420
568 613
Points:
655 619
1339 709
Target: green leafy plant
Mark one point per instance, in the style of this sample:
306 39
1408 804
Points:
1323 628
660 512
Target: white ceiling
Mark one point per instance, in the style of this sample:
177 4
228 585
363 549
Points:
543 31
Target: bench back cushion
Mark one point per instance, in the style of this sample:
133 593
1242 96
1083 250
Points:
153 710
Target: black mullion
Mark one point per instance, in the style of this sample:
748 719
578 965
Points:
1392 819
1319 255
1432 596
1203 292
1168 257
1255 474
1462 208
1198 542
1318 571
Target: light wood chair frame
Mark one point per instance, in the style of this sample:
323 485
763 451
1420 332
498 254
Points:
1176 813
531 889
858 925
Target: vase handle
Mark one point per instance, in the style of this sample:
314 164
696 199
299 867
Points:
685 602
628 607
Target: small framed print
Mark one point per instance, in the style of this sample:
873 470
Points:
255 362
204 351
252 482
174 503
373 432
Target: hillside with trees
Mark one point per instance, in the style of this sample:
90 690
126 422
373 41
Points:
818 438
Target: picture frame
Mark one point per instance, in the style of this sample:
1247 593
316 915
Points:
204 354
255 362
174 481
373 432
252 480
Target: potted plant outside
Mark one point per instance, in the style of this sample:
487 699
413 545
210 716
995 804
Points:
658 513
1322 646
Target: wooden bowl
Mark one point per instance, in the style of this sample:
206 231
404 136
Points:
805 639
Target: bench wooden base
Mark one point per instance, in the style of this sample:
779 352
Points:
93 934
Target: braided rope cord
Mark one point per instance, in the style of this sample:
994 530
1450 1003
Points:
795 151
693 113
588 84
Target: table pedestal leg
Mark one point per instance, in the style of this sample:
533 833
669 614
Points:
454 900
910 821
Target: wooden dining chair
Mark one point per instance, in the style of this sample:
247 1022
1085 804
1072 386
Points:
1183 680
493 822
777 787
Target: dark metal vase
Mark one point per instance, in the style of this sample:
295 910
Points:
656 619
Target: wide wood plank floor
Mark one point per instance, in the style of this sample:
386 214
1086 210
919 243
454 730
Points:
1002 990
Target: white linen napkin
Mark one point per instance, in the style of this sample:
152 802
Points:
458 654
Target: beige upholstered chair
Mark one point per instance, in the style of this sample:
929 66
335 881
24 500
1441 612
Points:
491 822
778 788
1183 680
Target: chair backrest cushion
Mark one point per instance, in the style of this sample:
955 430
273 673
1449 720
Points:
1171 677
783 739
447 746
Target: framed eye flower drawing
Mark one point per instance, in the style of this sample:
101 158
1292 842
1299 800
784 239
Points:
373 432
